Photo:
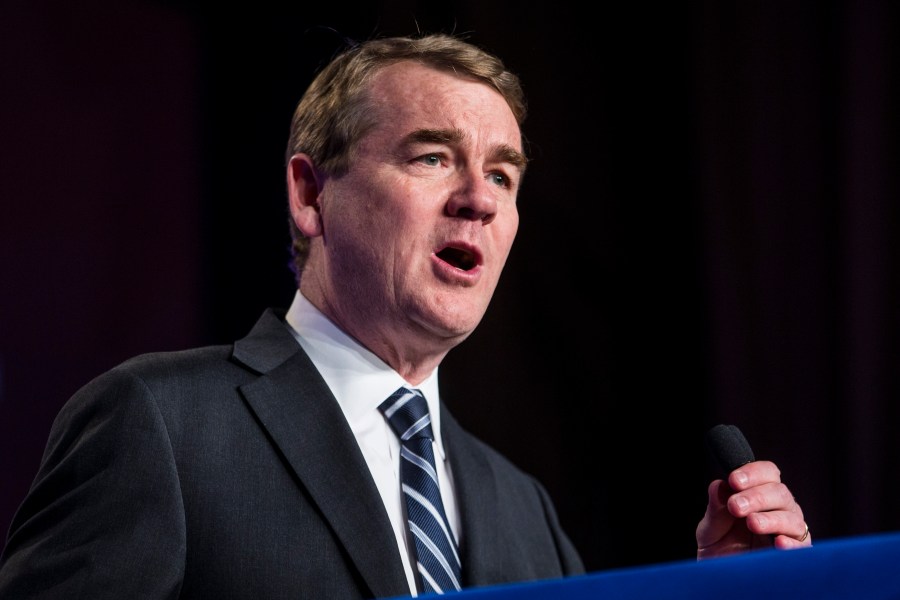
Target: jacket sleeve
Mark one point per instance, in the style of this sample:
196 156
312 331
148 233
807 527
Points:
104 516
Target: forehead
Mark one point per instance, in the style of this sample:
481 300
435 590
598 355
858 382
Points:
408 96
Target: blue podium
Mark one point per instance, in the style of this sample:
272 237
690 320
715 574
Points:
858 568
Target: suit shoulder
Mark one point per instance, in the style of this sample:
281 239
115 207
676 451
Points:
147 374
181 364
159 379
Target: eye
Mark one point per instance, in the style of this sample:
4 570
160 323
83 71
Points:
500 179
433 160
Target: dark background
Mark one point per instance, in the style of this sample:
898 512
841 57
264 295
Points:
709 234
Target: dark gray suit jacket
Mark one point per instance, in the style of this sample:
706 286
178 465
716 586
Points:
230 472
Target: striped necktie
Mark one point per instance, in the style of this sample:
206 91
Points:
437 558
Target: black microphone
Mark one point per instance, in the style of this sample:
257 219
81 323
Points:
729 446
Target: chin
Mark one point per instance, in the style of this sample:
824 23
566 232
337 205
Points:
451 329
446 317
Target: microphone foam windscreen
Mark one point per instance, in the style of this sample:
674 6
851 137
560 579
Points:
729 446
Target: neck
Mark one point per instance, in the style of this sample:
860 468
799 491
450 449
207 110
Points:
413 354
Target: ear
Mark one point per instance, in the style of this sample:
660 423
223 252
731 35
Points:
304 185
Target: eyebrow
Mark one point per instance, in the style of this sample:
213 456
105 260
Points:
502 153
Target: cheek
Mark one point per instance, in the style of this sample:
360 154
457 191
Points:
508 226
390 199
371 231
354 208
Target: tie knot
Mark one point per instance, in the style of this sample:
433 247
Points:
407 413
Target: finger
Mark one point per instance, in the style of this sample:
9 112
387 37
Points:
718 492
777 522
753 474
788 542
716 521
762 498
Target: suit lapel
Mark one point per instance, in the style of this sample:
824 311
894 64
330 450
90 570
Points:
304 420
478 503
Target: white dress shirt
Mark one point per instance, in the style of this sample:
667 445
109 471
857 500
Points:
360 381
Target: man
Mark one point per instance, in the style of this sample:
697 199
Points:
275 468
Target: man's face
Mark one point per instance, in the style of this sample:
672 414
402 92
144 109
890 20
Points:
416 234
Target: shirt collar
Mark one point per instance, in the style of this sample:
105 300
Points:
359 380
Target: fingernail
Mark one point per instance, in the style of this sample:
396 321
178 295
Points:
762 521
741 478
742 503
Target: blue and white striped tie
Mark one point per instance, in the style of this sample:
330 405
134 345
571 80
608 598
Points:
437 556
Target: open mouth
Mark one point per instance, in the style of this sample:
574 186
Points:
459 258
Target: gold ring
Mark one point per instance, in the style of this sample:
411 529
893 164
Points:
805 534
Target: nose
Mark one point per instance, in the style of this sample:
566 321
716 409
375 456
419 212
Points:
473 199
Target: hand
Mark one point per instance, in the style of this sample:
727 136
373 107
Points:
753 509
